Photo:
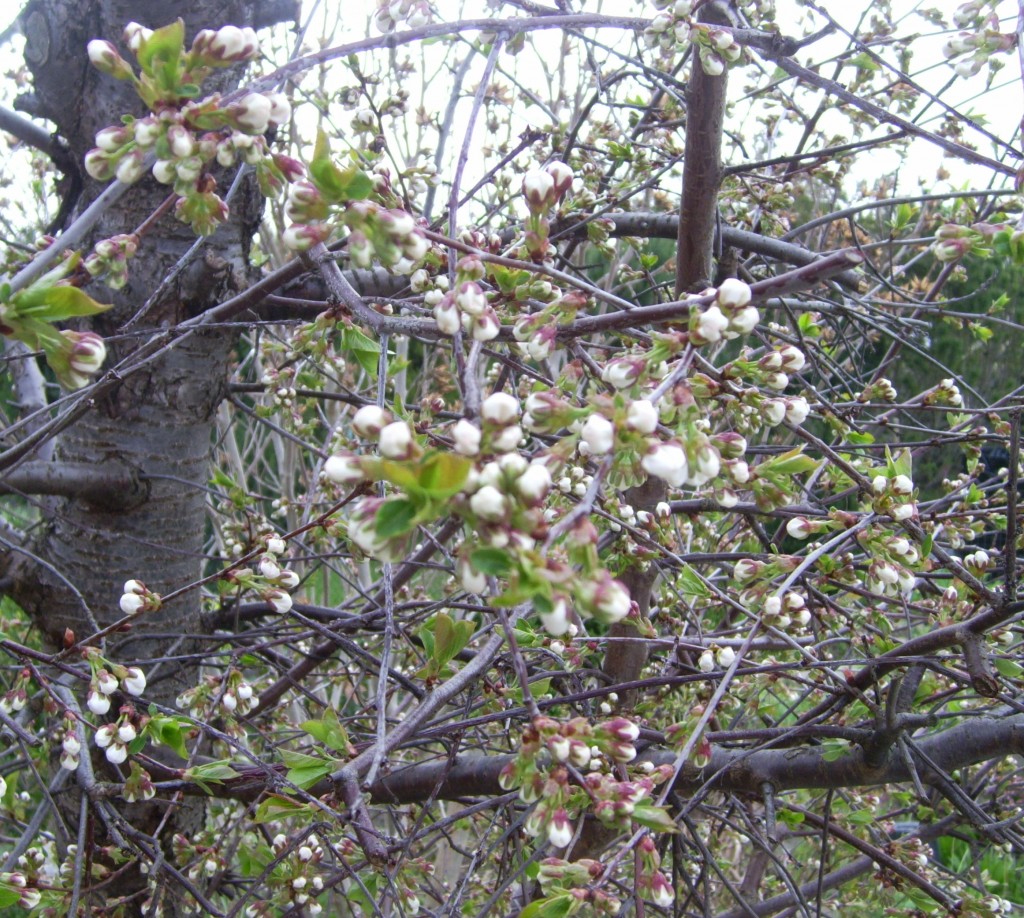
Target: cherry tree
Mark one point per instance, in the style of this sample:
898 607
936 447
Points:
515 462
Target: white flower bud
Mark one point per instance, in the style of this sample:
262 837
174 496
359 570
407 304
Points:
666 461
599 434
642 417
488 503
396 440
733 293
500 408
467 438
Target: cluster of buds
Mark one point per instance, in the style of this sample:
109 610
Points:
185 135
232 694
137 598
619 802
894 496
968 52
652 883
543 189
781 611
107 678
947 392
547 412
71 745
18 883
954 241
466 307
792 409
298 873
504 501
715 656
538 333
115 738
733 299
717 49
694 461
16 697
138 786
277 581
109 259
670 29
977 562
391 13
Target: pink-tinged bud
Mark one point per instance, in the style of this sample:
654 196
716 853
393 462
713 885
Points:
797 410
288 579
747 569
180 141
269 567
623 371
301 236
230 43
598 435
87 352
131 167
291 168
132 603
800 527
500 408
134 681
620 729
99 165
730 445
793 359
470 298
116 753
71 745
105 735
538 189
97 702
279 599
135 35
111 139
773 410
470 268
486 327
126 732
560 829
344 469
105 58
666 461
562 177
106 682
251 114
745 320
447 316
607 598
662 894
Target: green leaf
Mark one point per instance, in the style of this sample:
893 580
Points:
365 350
450 636
338 186
493 561
1007 667
443 475
862 817
163 48
793 462
692 584
555 907
8 896
215 772
305 770
276 807
329 731
169 731
55 304
395 517
654 817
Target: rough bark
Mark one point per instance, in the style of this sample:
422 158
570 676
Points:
158 424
